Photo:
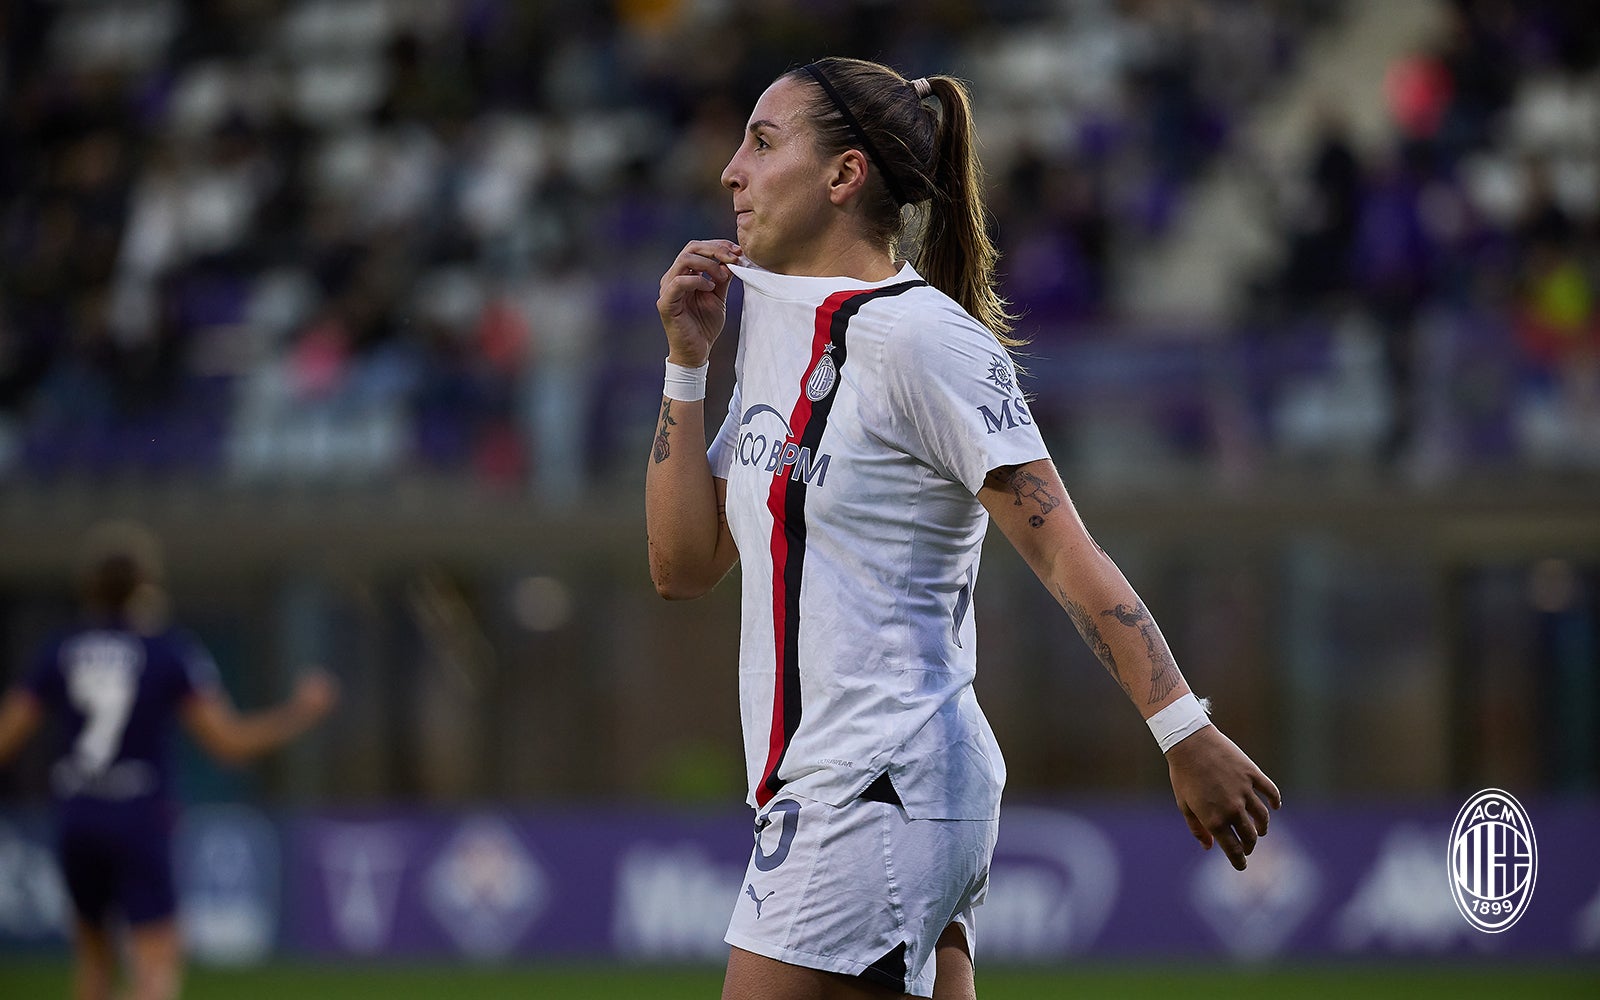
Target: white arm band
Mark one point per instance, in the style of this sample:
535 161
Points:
686 385
1184 717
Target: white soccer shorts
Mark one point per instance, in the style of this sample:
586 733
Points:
860 889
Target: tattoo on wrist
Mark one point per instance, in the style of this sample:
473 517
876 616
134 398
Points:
1163 669
1026 486
1084 622
662 448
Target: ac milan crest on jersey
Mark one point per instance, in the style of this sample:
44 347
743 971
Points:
822 376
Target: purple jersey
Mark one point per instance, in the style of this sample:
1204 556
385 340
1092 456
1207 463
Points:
116 693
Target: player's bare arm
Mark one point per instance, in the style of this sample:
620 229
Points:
690 546
1031 506
20 717
1219 790
1088 626
233 738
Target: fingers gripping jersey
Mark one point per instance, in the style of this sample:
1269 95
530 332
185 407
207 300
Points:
864 419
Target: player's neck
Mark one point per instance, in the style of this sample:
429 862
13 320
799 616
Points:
844 257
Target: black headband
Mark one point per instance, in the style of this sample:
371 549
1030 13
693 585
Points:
898 195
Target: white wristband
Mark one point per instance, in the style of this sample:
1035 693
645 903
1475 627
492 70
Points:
1184 717
686 385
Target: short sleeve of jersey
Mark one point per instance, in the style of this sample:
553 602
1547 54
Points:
197 673
954 400
726 443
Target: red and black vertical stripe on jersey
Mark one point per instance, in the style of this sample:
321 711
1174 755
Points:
787 502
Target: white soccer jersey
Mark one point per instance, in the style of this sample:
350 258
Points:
863 421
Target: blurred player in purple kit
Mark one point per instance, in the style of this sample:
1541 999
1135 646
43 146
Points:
115 683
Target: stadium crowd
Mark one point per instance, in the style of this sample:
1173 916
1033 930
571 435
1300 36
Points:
1468 247
287 240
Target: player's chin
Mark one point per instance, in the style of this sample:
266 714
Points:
749 256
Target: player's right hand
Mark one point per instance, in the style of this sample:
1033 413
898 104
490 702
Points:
694 299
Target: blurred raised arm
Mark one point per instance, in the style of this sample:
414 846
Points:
235 738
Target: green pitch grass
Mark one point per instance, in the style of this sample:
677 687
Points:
38 980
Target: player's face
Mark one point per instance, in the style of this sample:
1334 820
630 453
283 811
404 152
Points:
779 181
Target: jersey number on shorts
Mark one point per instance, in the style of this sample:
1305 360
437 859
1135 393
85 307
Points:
791 822
102 680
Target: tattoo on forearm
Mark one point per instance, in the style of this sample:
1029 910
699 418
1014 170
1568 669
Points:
722 515
1084 622
1163 669
1027 486
663 449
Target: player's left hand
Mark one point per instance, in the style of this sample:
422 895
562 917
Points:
315 694
1222 794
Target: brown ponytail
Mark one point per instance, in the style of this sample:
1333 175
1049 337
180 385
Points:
957 256
925 158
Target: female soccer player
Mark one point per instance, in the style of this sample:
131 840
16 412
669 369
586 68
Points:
875 428
116 682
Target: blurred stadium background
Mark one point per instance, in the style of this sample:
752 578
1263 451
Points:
351 301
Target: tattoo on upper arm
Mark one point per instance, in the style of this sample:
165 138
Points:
1163 669
1084 622
1026 486
662 448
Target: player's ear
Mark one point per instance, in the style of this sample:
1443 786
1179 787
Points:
849 176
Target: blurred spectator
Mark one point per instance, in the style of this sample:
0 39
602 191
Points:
1320 256
1485 205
